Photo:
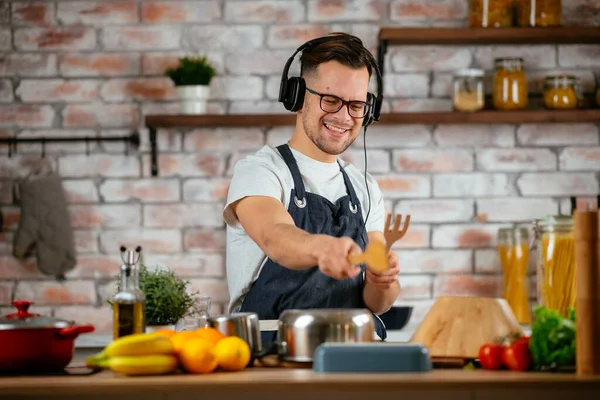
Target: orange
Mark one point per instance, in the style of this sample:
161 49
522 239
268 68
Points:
211 335
165 332
233 353
198 356
179 338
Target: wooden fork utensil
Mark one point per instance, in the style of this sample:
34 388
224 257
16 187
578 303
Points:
374 256
396 233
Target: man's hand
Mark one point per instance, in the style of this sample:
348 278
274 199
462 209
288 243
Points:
333 258
385 279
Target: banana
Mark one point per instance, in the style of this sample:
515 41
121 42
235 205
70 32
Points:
156 364
139 344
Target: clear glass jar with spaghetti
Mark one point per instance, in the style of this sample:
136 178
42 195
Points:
490 13
562 92
554 242
510 90
513 252
539 12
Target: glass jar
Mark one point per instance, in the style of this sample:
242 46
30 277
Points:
539 12
468 93
554 242
510 84
598 97
513 251
490 13
562 92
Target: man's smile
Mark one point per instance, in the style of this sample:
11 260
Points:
335 130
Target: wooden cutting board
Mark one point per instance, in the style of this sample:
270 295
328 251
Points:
455 327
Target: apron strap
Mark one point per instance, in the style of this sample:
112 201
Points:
290 161
350 189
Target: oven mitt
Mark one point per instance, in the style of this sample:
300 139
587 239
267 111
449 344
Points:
45 223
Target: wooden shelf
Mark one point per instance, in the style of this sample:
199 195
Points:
486 36
425 118
153 122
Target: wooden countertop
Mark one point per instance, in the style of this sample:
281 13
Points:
303 380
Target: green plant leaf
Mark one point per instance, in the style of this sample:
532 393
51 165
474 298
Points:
167 297
192 71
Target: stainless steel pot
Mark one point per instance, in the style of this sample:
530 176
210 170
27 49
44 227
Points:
300 332
243 325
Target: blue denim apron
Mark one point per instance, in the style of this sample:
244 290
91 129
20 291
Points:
278 288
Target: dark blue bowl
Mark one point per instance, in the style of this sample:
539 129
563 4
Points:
397 317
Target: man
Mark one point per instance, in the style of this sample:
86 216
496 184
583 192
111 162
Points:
295 213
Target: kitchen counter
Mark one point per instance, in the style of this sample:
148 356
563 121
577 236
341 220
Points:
299 383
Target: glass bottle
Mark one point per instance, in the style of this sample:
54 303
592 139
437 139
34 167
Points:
129 303
513 251
510 84
554 242
539 12
490 13
562 92
468 92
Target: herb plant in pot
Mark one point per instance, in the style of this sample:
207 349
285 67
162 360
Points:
167 298
192 79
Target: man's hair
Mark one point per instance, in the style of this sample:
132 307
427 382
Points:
348 51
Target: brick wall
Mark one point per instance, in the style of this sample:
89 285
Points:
94 68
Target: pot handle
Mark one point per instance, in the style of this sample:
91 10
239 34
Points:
74 331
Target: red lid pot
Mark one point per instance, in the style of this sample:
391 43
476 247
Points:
36 343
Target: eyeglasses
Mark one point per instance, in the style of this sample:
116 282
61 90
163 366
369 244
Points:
332 104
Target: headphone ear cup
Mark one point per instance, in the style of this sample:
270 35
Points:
295 90
368 119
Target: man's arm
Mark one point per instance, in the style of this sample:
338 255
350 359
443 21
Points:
381 289
272 228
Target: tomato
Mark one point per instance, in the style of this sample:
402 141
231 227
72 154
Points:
490 356
522 339
516 356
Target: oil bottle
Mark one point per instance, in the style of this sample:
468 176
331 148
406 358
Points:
129 304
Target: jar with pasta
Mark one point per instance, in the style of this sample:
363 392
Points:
555 247
562 92
490 13
468 93
539 12
510 84
513 252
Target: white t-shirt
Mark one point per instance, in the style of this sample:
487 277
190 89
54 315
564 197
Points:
265 173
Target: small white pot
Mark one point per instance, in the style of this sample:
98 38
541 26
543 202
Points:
154 328
193 98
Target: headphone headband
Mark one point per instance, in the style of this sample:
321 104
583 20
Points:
291 91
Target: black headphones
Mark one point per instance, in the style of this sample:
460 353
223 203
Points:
292 90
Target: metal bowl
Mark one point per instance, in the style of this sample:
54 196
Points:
300 332
243 325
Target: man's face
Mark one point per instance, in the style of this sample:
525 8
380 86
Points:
333 133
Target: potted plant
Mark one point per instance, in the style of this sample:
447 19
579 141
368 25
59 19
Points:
167 298
192 79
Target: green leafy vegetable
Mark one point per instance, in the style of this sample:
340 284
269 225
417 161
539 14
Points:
552 341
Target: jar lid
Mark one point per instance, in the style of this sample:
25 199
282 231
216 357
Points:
23 319
510 59
470 73
508 62
561 78
557 220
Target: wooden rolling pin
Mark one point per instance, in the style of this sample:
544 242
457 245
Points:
587 300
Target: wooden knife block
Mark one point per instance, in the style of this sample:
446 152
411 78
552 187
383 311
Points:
455 327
